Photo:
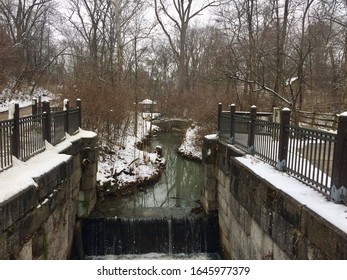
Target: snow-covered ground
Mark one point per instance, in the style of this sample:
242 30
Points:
190 146
130 165
23 98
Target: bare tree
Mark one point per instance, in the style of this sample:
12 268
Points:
88 19
281 35
8 58
28 24
180 17
336 12
125 12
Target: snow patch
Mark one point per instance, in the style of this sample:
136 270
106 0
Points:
190 146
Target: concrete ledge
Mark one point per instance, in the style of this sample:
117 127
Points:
325 241
295 228
14 208
39 199
48 181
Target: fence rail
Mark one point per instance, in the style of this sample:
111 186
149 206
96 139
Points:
31 139
25 137
327 121
5 144
317 158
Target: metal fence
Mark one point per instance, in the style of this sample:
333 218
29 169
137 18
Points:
310 156
241 125
58 124
313 156
25 137
31 139
5 144
73 122
266 140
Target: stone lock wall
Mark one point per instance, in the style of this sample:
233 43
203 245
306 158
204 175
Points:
256 219
39 222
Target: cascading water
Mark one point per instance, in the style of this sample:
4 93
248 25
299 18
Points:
168 235
160 220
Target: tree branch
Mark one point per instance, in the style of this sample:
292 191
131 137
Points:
263 87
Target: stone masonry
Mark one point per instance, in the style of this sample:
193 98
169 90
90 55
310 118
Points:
259 221
39 222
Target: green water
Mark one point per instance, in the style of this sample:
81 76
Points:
176 193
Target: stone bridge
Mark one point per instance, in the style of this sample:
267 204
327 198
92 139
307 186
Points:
174 123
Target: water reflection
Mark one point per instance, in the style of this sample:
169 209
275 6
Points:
179 186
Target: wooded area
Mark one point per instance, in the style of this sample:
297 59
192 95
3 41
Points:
187 55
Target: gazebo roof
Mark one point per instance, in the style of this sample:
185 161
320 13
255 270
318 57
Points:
147 102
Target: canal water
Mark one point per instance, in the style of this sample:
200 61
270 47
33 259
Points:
179 186
165 221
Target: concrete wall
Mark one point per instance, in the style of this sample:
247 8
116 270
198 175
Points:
256 219
38 222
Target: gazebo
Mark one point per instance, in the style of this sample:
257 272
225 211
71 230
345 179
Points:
147 105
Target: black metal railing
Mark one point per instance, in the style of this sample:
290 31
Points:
73 122
58 120
241 131
310 156
315 157
31 139
25 137
5 144
266 142
224 124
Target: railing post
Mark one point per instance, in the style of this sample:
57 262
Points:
284 140
276 118
251 133
46 109
34 107
79 106
338 191
220 109
15 133
66 108
276 115
40 104
232 130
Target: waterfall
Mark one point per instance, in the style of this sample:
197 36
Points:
169 235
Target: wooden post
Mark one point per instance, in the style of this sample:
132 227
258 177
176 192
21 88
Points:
220 109
251 132
232 130
284 140
339 175
276 115
34 107
66 109
79 106
276 118
15 132
46 109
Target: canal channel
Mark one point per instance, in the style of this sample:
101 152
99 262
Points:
162 221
